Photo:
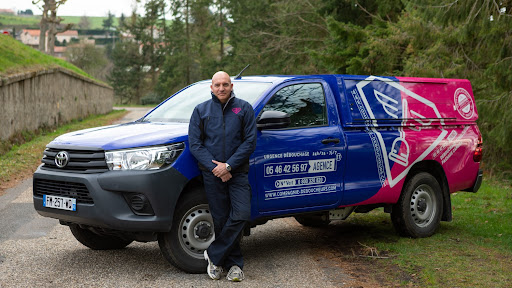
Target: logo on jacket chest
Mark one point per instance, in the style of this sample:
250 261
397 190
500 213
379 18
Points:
236 110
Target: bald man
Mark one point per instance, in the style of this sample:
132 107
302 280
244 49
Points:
222 136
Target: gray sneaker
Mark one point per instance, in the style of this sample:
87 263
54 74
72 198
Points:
235 274
215 272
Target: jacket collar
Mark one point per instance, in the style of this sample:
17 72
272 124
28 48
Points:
215 99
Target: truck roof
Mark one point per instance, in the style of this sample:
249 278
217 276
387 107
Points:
282 78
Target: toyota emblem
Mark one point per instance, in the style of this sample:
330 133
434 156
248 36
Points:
62 159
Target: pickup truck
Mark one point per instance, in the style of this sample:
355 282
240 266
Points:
327 146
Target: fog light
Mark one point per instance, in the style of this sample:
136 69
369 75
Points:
139 204
138 201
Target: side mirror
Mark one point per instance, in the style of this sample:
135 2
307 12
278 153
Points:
273 120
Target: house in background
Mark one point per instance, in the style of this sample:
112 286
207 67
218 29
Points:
66 36
60 52
31 37
7 12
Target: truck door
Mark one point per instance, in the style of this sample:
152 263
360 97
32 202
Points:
300 167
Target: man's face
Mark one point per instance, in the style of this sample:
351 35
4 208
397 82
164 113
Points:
221 86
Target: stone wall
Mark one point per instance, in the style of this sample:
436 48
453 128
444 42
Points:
49 98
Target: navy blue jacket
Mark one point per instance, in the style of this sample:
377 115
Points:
226 134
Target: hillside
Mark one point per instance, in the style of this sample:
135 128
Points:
8 21
18 57
13 20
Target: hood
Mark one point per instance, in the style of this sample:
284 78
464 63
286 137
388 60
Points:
122 136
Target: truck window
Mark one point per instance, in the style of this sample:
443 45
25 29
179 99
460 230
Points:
179 108
305 103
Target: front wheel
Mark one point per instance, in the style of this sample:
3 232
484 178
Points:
418 211
97 241
191 233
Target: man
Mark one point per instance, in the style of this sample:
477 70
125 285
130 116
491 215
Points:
222 136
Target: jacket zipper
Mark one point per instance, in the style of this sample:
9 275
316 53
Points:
224 130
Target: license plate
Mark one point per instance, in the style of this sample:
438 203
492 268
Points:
58 202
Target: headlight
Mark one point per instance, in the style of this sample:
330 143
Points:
150 158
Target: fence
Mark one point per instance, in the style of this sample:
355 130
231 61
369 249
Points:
49 98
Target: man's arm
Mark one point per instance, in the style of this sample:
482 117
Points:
197 148
244 151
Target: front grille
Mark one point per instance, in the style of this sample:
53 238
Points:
77 191
80 161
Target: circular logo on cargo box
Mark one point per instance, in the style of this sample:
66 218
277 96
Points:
464 103
62 159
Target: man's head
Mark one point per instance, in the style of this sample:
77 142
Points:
221 86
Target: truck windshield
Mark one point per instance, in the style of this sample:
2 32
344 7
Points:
180 107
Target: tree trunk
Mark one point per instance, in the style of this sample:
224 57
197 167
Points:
221 24
187 42
43 27
52 30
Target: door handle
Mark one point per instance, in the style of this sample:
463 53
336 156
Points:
331 140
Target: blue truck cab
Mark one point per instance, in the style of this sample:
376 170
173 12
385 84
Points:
327 146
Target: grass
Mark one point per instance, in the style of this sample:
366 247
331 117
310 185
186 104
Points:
13 20
24 158
474 250
17 57
33 21
95 22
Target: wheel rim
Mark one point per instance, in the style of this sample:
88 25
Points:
423 205
196 231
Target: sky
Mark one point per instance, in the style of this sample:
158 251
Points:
77 7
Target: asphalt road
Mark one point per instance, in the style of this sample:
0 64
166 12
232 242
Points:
38 252
135 113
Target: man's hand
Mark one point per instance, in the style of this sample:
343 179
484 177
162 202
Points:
226 177
220 170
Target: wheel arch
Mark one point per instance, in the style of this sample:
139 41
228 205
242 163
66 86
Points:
435 169
190 186
193 184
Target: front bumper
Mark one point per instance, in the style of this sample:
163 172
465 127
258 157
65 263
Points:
107 204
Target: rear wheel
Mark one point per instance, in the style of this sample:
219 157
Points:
191 233
418 211
97 241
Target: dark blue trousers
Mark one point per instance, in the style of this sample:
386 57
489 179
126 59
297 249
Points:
230 206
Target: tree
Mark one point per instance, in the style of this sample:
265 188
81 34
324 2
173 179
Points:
192 45
181 12
152 36
127 76
429 38
473 40
43 25
221 31
49 22
109 22
361 39
26 12
122 20
276 36
88 58
84 23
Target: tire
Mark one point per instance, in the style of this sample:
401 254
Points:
319 220
191 233
420 207
96 241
